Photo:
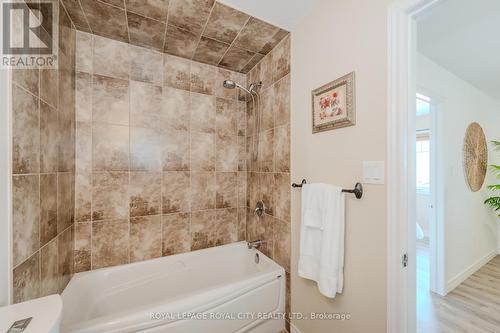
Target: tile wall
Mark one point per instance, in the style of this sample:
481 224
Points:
43 172
269 174
160 161
160 154
205 31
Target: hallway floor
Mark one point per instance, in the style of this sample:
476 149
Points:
473 307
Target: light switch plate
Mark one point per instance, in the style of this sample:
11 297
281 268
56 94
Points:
373 172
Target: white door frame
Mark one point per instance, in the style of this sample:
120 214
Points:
401 288
436 224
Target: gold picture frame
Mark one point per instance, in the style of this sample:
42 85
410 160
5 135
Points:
334 104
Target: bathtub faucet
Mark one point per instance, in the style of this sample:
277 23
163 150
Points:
255 244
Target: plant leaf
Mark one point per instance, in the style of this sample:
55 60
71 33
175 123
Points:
494 187
495 169
496 145
493 202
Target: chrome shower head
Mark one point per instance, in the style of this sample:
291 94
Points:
229 84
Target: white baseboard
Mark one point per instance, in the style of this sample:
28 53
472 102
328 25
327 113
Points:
461 277
294 329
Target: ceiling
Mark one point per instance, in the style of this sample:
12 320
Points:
283 13
463 37
207 31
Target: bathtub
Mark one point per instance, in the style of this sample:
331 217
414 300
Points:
221 289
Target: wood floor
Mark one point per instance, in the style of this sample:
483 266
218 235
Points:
473 307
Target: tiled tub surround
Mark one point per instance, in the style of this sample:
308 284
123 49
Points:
202 30
269 176
160 155
43 162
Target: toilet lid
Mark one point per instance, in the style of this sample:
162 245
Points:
46 313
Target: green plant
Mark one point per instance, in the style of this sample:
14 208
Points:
494 201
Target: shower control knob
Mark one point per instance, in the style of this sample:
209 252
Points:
260 208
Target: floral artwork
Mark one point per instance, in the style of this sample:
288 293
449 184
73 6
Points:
333 104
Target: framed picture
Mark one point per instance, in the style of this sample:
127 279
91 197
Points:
333 105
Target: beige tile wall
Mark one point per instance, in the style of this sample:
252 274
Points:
43 137
160 155
269 175
205 31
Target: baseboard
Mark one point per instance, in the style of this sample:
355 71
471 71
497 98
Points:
461 277
294 329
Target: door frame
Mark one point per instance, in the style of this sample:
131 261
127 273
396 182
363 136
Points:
401 185
436 226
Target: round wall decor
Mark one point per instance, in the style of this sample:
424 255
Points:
475 152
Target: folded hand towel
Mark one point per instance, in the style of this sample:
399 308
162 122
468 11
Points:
322 237
314 198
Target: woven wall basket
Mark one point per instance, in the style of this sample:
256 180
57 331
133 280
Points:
475 151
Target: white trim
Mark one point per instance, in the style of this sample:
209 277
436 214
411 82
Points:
464 275
401 287
5 188
436 223
294 329
396 175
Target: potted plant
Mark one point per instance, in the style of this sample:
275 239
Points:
494 201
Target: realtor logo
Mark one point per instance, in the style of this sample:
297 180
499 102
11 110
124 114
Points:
29 34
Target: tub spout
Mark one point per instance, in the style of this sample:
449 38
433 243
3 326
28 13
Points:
255 244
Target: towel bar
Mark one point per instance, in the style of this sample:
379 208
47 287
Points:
357 190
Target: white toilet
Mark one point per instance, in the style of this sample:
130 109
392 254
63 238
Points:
45 311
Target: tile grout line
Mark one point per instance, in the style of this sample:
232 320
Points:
40 183
190 158
203 30
85 16
163 78
250 61
165 40
129 171
128 32
92 55
234 40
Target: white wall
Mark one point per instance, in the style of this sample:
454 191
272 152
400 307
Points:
339 37
273 11
4 188
470 227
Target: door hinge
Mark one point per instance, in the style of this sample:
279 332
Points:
405 260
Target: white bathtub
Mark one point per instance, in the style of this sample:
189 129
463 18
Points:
222 287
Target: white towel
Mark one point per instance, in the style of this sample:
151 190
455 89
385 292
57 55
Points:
314 198
322 237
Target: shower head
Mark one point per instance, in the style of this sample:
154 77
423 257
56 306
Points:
229 84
